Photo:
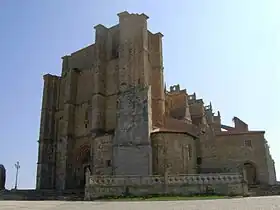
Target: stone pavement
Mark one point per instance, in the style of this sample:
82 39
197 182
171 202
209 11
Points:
258 203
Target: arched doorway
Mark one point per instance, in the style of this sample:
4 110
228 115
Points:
250 173
83 164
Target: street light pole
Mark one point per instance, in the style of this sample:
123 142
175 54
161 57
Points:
17 168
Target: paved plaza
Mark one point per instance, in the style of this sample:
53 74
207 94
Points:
261 203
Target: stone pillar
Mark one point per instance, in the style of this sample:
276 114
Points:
63 170
47 136
157 81
98 96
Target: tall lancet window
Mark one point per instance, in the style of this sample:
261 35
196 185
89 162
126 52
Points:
86 121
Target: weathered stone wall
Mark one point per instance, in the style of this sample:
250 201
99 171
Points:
85 86
112 89
132 151
208 151
82 59
134 66
174 153
226 184
234 153
197 112
103 155
271 167
177 105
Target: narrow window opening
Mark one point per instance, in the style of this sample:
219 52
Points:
190 152
198 160
109 163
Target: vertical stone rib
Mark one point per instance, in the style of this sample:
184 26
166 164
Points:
98 97
157 82
67 133
46 161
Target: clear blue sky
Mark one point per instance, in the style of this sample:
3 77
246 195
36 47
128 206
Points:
227 51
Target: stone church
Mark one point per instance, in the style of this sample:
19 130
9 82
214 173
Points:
110 112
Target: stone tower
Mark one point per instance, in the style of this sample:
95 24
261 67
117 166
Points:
132 150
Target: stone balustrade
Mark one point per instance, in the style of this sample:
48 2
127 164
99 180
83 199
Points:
169 179
226 184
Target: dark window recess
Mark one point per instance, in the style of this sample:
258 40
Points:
86 118
198 160
86 115
115 53
248 143
108 163
190 151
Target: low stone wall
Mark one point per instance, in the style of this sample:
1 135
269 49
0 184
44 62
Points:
264 190
225 184
33 194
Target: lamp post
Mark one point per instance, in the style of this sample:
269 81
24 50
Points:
17 166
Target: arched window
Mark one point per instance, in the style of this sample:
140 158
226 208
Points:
251 173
